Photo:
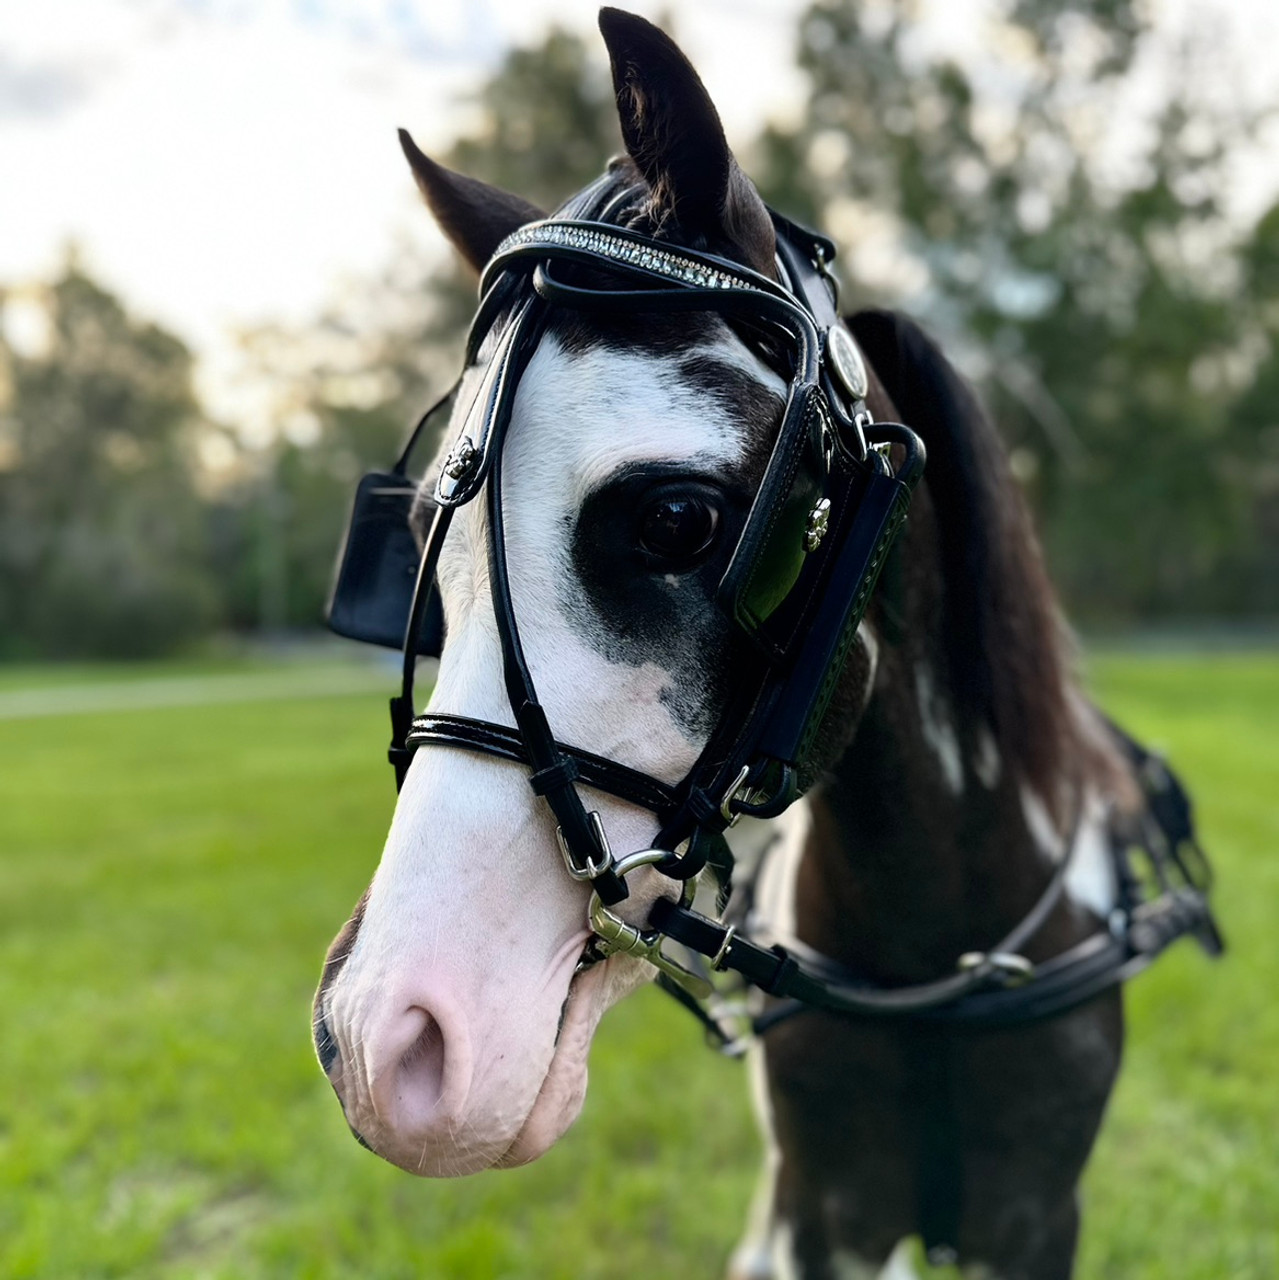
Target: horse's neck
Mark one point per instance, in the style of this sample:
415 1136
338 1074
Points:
920 846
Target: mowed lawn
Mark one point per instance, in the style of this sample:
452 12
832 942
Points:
170 877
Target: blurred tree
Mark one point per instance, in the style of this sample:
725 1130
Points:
1253 445
101 534
1089 276
546 127
1072 243
338 404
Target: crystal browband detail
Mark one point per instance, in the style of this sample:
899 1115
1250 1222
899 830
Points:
644 256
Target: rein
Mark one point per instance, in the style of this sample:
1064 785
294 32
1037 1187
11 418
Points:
828 509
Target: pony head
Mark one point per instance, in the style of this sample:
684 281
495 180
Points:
455 1014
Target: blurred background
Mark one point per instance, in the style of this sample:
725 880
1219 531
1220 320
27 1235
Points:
221 301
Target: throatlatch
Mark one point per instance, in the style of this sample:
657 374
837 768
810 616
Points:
832 500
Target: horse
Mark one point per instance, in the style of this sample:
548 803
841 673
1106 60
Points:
658 390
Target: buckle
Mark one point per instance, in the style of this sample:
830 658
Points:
1013 970
726 802
758 802
594 867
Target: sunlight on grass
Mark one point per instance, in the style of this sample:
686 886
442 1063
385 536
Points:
169 880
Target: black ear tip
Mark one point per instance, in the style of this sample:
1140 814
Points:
408 146
613 21
621 28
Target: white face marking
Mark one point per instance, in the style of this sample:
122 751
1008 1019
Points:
938 731
457 1049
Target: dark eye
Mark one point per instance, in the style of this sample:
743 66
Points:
676 528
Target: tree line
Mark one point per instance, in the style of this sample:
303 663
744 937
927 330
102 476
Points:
1119 316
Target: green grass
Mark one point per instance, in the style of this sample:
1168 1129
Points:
169 880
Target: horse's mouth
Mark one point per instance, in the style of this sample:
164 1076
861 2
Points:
597 983
559 1100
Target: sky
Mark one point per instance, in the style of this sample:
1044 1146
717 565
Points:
224 163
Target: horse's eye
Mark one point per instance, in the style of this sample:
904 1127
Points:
677 528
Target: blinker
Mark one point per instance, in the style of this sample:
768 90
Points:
377 572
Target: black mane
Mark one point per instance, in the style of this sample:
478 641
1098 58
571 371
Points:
1004 641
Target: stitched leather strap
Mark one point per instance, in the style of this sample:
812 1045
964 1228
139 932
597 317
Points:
498 740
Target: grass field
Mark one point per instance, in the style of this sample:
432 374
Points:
169 878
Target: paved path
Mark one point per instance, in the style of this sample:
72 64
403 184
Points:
192 691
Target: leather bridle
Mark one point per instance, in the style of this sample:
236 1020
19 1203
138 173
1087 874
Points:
831 501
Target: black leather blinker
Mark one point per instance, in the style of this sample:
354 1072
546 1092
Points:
373 590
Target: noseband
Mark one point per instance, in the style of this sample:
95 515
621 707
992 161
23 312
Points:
833 497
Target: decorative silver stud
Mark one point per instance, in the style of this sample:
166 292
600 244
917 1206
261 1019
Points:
460 461
818 523
845 362
461 458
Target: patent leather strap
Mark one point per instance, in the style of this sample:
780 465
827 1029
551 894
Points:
998 987
993 994
584 766
797 972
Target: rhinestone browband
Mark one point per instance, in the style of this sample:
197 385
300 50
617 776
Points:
643 255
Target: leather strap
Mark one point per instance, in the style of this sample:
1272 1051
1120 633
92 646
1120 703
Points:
498 740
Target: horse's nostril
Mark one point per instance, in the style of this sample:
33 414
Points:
325 1046
422 1066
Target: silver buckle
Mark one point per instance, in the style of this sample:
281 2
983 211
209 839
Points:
722 954
592 868
725 805
1015 970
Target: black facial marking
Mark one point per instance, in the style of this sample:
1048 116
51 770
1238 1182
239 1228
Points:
756 408
633 611
652 333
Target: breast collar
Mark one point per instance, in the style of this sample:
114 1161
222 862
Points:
827 511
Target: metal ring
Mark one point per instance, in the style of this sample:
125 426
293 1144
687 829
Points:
642 858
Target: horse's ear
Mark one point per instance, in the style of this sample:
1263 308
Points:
673 133
474 216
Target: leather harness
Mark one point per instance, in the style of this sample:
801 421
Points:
827 511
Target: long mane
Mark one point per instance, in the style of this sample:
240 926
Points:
1005 643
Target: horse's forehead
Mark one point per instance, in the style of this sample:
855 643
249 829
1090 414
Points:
586 411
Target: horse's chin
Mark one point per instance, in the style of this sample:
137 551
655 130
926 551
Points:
563 1091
